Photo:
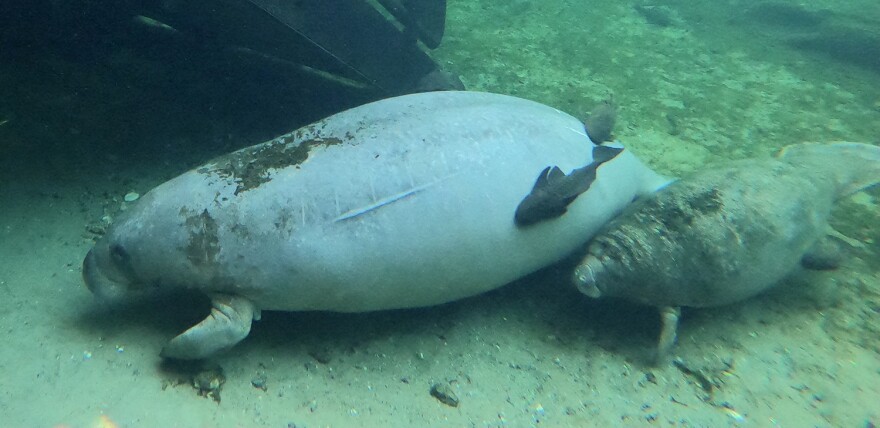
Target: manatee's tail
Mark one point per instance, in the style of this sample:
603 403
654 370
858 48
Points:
854 166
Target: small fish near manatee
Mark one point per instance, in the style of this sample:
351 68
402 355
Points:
600 122
726 234
554 190
401 203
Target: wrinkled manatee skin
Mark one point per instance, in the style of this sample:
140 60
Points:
405 202
717 237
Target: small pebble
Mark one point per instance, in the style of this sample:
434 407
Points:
443 393
131 196
259 381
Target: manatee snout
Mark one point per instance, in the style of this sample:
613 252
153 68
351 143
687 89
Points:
587 276
101 274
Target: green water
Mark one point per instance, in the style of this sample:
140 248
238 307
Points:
86 118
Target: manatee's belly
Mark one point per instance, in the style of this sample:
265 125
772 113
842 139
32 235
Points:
408 205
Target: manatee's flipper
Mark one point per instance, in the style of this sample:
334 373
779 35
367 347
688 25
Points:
554 191
825 254
228 323
669 317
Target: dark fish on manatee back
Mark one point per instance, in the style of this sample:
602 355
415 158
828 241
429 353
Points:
554 191
725 234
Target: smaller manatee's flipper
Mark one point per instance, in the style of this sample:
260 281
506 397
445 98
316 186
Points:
669 331
554 191
825 254
228 323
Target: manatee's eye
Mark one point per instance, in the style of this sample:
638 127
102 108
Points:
118 254
120 261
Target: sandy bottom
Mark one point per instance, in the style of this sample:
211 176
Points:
695 86
533 353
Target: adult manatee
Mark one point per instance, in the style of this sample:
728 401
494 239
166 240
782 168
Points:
405 202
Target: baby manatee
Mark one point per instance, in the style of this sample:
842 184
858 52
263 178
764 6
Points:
725 234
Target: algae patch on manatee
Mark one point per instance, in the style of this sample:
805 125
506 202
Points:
249 167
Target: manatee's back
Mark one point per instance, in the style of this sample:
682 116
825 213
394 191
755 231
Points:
852 166
403 202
